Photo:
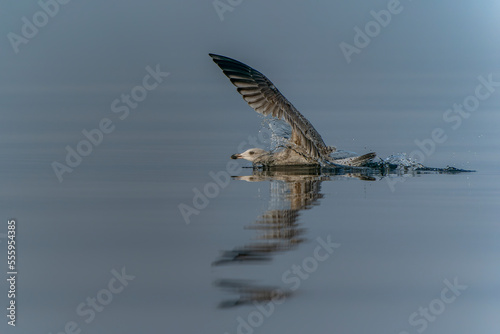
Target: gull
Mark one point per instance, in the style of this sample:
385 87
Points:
305 147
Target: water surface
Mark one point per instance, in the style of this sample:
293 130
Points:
396 248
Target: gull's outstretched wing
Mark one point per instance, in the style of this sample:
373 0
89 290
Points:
266 99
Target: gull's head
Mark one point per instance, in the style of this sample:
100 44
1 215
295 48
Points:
252 154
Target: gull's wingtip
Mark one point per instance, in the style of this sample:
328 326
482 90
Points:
215 57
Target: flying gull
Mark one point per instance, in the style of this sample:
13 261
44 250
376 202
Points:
305 147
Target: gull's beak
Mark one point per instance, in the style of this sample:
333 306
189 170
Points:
236 156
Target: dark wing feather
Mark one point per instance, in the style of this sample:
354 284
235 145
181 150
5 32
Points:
266 99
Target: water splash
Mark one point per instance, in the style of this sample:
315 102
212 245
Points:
280 131
402 160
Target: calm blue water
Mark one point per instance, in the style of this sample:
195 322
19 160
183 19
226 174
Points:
400 242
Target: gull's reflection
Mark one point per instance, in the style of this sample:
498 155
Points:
279 230
249 293
277 226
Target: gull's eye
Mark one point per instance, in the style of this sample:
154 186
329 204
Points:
251 152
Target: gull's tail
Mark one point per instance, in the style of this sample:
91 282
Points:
356 161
